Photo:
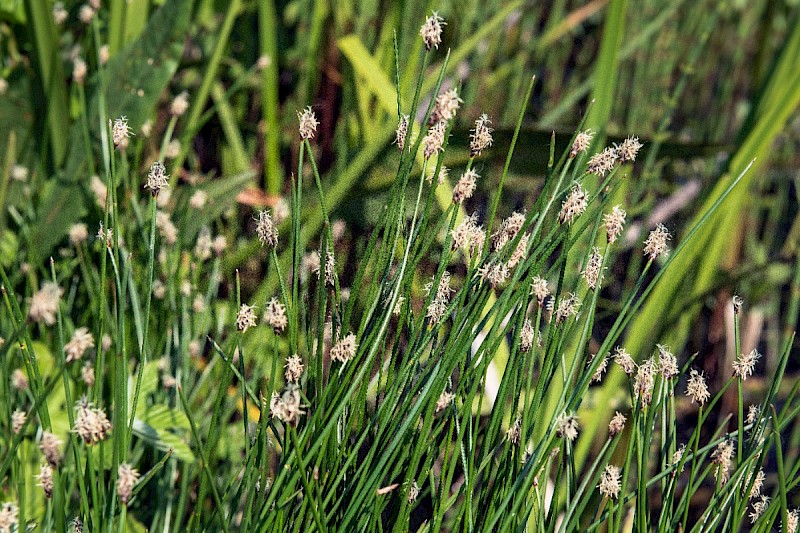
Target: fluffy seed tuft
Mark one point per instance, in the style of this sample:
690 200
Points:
344 349
308 123
127 476
656 243
465 187
431 31
574 205
610 481
481 137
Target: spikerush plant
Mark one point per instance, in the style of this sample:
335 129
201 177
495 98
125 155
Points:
366 407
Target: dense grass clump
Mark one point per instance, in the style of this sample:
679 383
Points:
470 347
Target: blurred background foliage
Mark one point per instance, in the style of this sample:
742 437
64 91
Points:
708 86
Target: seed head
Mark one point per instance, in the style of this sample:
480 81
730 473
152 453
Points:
99 190
610 481
667 363
601 368
413 492
127 476
444 400
18 419
78 233
44 303
286 407
246 318
330 269
167 230
86 14
527 336
678 455
617 424
275 315
19 380
219 244
402 131
758 482
60 14
628 149
344 349
157 178
574 205
520 251
567 426
91 423
508 230
446 106
738 302
594 267
614 222
81 341
203 244
465 187
433 142
266 230
792 520
179 105
744 365
722 457
308 123
198 200
602 163
444 172
696 388
581 143
644 382
294 369
481 137
438 306
50 446
656 243
45 478
120 132
567 307
468 235
79 70
9 517
431 31
540 290
514 433
87 374
753 413
758 508
495 273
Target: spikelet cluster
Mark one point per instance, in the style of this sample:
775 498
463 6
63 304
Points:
438 307
127 476
465 187
481 137
91 423
308 123
287 407
469 235
574 205
344 349
431 31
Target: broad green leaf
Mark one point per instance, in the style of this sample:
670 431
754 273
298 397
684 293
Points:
13 11
149 386
163 440
163 417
